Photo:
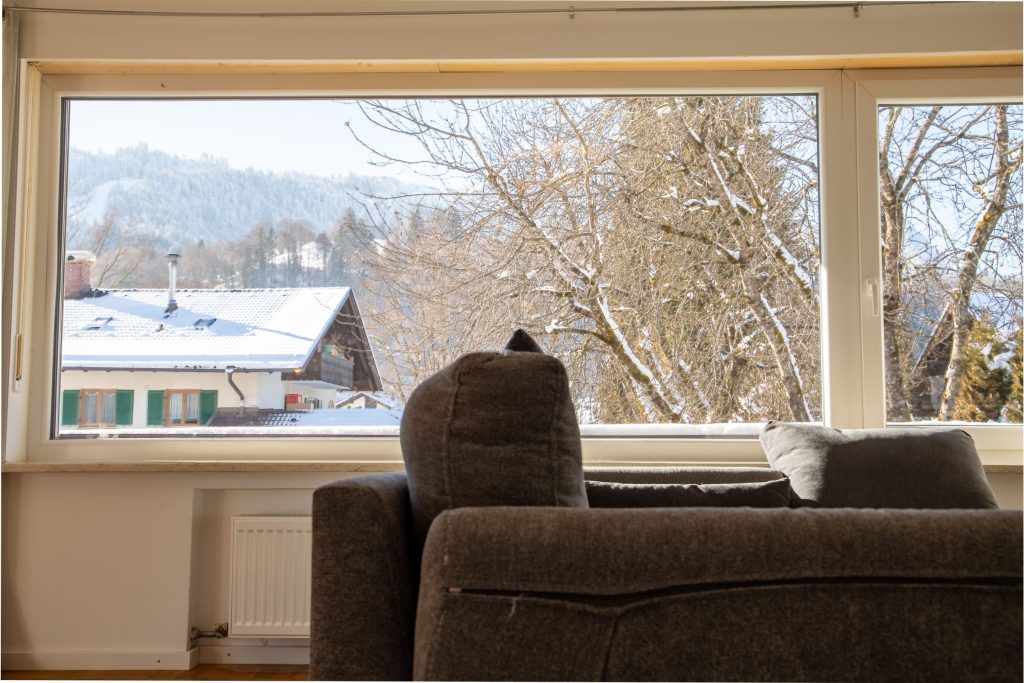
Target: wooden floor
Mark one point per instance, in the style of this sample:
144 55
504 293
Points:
203 672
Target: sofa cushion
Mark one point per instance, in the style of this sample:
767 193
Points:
602 494
878 468
493 429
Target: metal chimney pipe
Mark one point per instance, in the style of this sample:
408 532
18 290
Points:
172 276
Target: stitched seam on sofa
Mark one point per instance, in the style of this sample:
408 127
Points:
608 647
573 587
630 599
618 611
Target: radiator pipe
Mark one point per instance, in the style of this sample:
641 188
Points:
220 631
230 371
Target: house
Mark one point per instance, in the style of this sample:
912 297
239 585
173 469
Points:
190 357
114 549
365 400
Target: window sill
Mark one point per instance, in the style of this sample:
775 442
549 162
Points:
154 466
202 466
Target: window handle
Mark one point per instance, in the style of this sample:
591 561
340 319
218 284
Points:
871 287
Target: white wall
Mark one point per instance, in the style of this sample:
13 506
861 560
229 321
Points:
109 570
269 390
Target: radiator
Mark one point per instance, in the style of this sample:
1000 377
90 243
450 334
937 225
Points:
270 576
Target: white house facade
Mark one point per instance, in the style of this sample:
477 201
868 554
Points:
144 358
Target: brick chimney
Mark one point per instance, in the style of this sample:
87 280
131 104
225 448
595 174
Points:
78 274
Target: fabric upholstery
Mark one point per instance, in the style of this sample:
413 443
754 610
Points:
492 429
602 494
720 594
365 576
681 475
882 468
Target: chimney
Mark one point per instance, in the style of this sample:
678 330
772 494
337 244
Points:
172 275
78 274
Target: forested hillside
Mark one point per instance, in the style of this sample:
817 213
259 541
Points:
177 202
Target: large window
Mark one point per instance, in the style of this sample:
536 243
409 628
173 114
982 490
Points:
665 248
702 251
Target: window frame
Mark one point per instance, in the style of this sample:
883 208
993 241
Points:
999 444
852 383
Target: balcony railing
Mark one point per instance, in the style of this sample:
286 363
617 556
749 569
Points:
325 367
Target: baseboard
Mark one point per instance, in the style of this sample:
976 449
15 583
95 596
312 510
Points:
62 660
296 655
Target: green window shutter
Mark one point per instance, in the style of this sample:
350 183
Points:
124 405
69 408
155 409
207 405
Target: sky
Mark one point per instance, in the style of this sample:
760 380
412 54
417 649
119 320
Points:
305 136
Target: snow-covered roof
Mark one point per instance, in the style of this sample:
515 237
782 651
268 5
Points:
323 417
251 329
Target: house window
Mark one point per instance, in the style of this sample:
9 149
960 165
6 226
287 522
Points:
182 408
97 408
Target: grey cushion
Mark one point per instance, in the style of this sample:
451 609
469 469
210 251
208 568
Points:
880 468
493 429
602 494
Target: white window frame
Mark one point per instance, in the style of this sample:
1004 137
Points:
852 381
999 444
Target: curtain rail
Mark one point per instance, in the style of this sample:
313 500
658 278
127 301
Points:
570 10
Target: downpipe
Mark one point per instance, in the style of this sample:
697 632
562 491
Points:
230 371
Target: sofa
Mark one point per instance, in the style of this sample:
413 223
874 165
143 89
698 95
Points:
856 555
628 593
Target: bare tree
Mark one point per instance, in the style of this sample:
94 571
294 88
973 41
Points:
662 244
121 249
950 198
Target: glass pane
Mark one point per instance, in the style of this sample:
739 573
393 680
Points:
108 408
174 408
665 249
952 261
89 409
191 407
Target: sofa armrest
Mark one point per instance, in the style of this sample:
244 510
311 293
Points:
720 594
365 580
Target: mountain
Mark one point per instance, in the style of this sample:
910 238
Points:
182 201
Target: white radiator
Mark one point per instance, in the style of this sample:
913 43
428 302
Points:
270 576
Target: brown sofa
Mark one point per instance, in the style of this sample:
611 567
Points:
712 594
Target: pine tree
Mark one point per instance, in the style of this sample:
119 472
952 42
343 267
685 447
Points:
1012 411
987 383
